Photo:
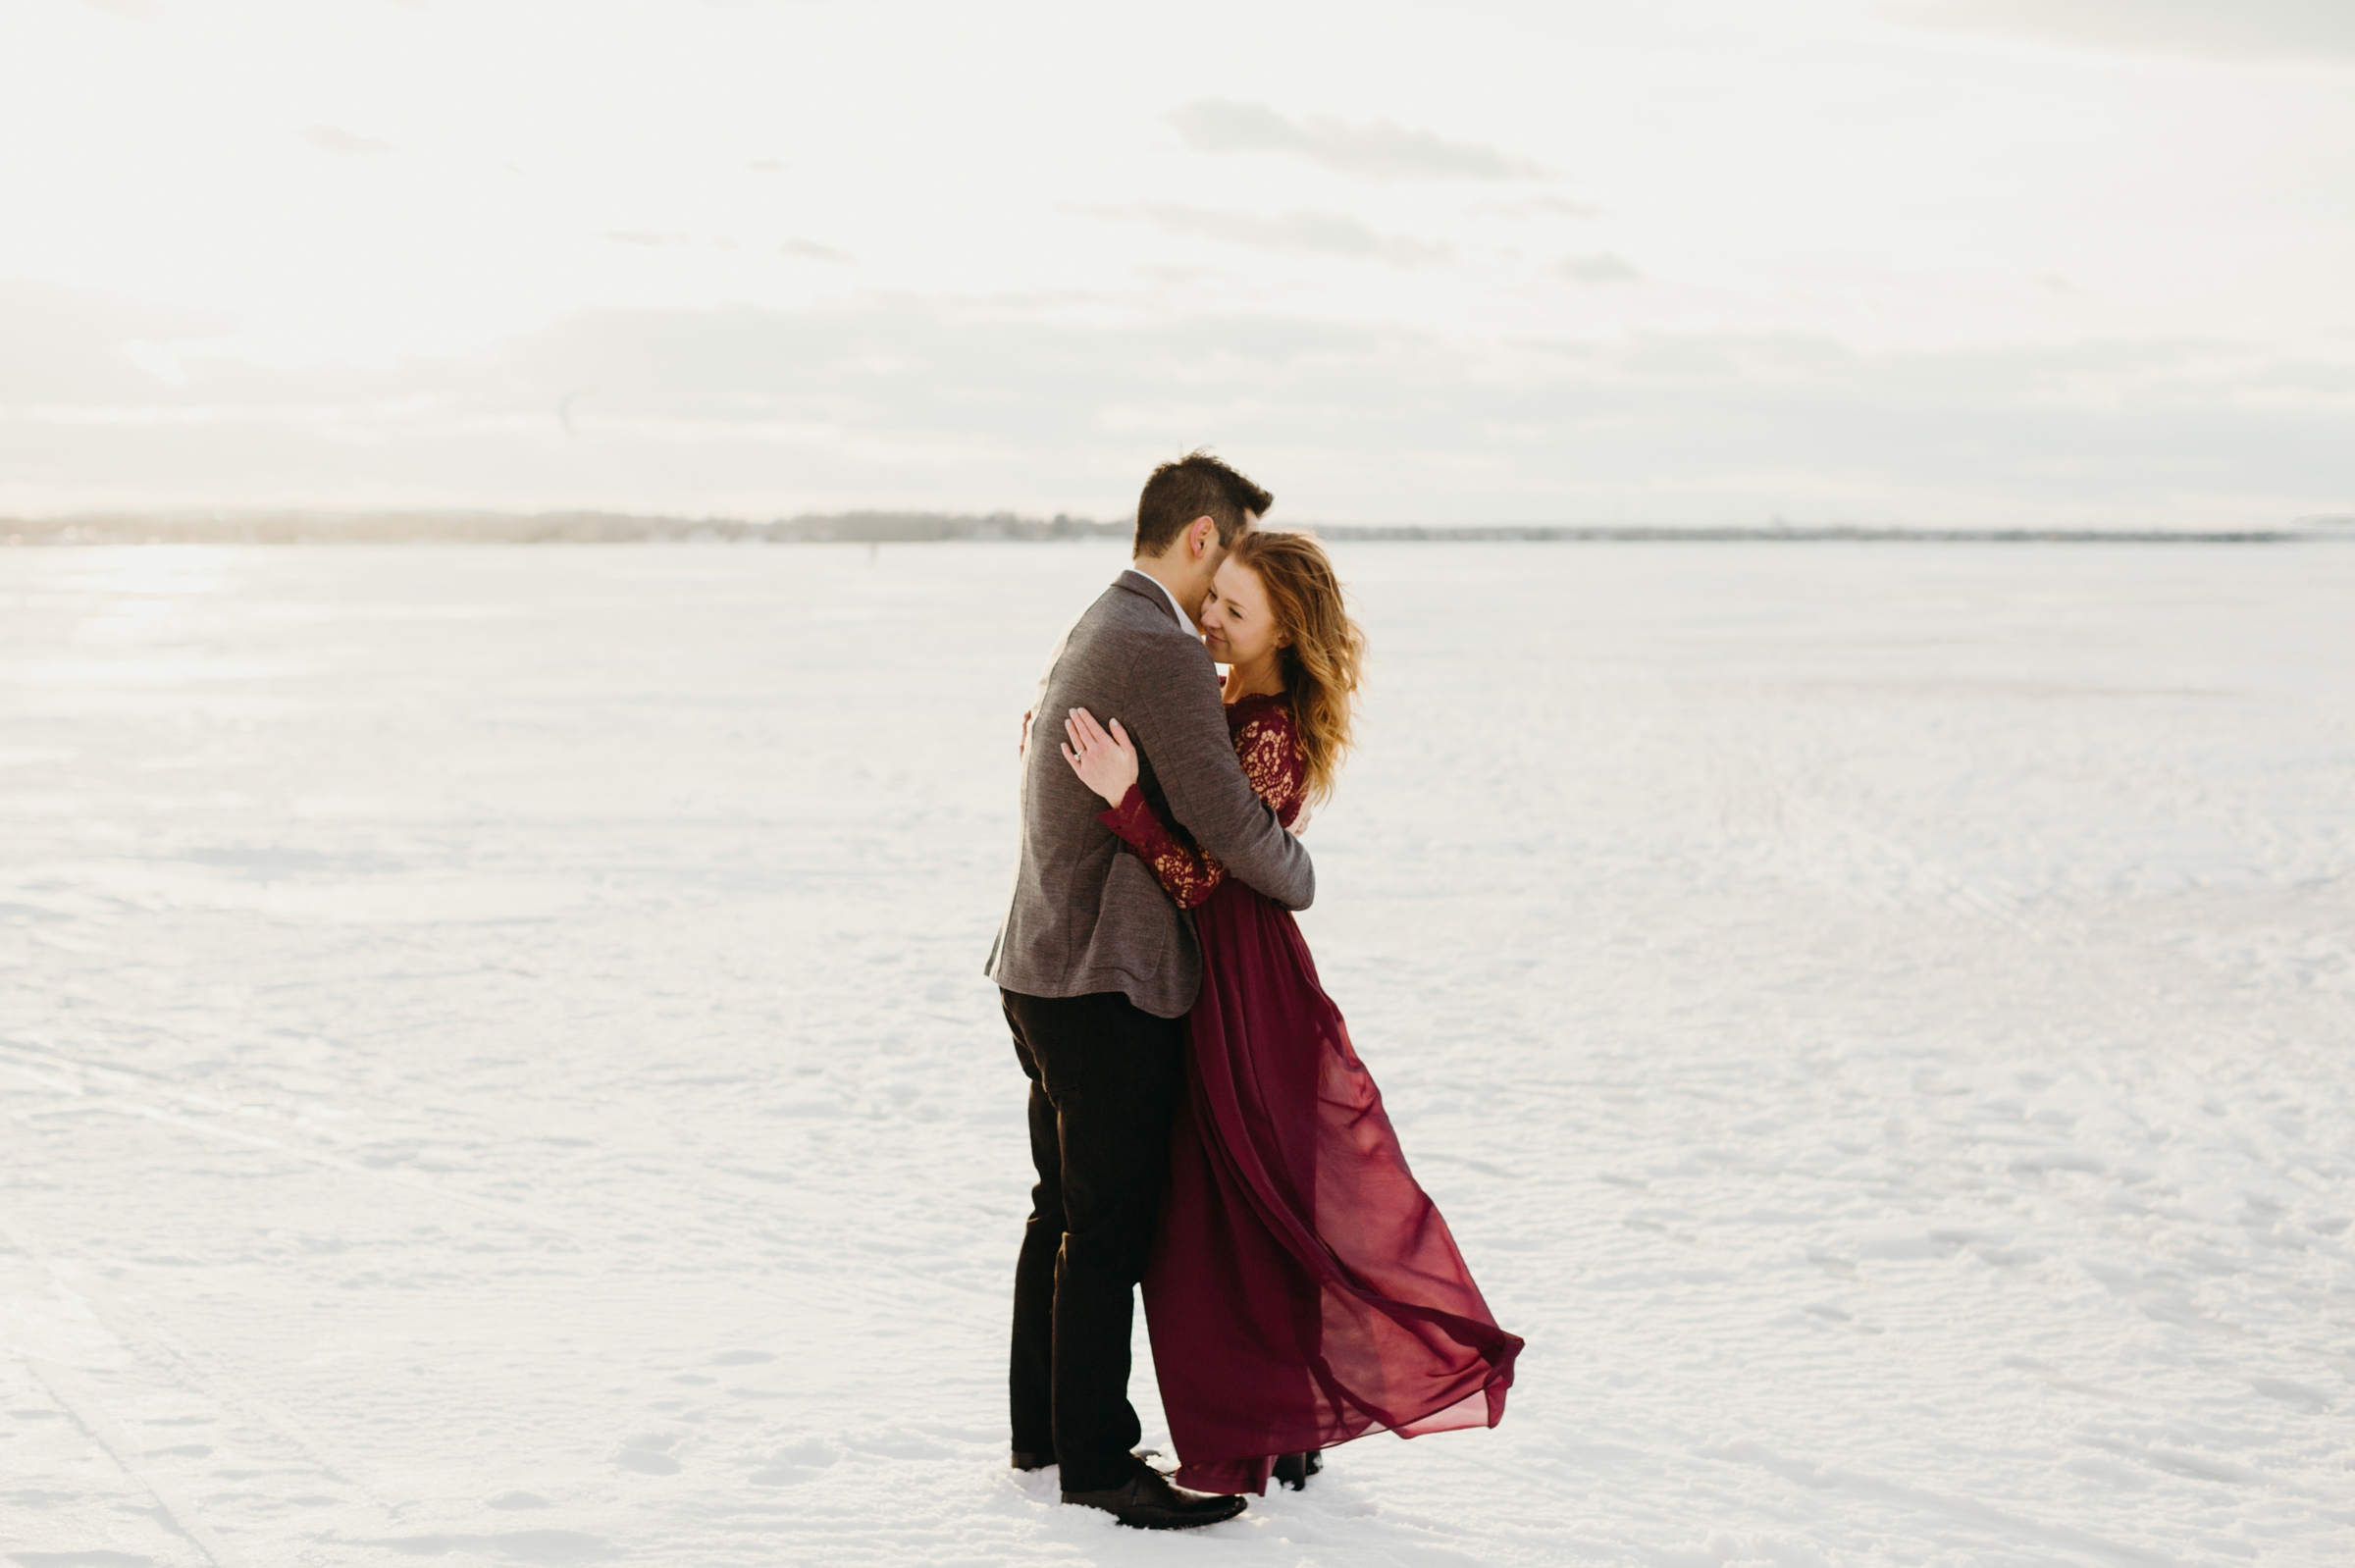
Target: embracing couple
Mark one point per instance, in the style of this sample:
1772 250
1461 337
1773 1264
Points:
1198 1117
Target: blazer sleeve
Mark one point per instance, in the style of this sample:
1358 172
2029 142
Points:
1185 873
1178 723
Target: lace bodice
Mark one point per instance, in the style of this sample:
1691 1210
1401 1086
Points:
1268 744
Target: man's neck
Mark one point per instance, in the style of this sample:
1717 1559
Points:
1155 570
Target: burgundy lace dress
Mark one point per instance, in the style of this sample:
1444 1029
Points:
1303 1290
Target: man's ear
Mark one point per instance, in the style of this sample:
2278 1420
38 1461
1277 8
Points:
1199 534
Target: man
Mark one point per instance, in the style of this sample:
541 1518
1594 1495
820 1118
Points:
1098 968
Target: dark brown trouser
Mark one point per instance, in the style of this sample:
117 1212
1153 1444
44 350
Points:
1104 1076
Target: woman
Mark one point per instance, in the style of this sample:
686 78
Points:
1303 1290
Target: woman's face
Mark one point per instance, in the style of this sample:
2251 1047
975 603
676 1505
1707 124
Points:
1238 625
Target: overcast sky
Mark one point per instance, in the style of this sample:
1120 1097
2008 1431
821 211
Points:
1964 261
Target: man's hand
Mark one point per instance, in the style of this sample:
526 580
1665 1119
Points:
1106 763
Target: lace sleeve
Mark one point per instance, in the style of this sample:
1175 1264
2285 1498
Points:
1186 873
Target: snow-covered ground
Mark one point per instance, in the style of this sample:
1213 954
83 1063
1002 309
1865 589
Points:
494 1064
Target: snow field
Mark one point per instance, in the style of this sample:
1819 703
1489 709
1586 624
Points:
496 1066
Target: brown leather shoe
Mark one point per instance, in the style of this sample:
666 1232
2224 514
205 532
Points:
1147 1501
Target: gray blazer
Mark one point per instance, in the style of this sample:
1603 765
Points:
1086 917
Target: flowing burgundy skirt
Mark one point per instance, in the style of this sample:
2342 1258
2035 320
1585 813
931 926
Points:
1303 1290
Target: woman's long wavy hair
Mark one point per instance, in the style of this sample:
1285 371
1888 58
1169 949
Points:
1324 656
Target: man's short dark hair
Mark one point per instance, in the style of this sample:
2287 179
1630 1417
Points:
1196 485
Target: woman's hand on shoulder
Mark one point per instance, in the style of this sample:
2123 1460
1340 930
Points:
1105 761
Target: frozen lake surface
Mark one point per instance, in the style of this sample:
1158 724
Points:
494 1064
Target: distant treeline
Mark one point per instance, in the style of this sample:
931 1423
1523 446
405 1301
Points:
896 528
533 528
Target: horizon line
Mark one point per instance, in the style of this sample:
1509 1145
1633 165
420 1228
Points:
880 526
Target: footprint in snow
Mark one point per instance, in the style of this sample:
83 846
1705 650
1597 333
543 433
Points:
796 1462
645 1454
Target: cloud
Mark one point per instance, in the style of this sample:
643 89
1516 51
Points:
1597 269
809 250
2274 29
71 346
1378 150
757 412
328 138
1542 206
1315 232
